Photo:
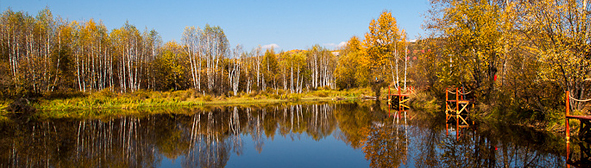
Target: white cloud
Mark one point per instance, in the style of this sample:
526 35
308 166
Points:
269 46
342 44
329 45
335 46
413 40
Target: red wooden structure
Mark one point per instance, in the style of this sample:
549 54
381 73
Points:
399 101
457 107
585 127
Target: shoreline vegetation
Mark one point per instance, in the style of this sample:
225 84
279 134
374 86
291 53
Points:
105 104
60 105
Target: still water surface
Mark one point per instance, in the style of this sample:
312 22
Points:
318 135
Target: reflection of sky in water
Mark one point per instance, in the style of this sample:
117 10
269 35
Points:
300 152
166 162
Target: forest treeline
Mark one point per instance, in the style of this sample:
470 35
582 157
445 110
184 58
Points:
44 54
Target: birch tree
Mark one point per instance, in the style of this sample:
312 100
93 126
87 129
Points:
192 40
215 47
234 68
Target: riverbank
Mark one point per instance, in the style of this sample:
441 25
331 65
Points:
59 105
107 103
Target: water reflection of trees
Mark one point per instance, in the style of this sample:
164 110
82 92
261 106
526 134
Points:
383 139
387 143
66 143
205 139
578 153
209 137
485 145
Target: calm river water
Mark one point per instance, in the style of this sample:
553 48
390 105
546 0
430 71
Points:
306 135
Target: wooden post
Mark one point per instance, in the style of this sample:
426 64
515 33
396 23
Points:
446 128
457 102
399 100
446 103
567 154
457 111
565 117
463 93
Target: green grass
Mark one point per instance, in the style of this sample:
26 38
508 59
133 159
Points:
109 113
4 103
104 101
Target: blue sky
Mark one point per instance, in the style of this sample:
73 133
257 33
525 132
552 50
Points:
296 24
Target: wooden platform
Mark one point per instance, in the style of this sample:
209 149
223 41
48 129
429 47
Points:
585 126
399 101
578 117
457 108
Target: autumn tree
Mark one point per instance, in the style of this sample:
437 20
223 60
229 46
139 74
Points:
536 50
61 57
321 63
381 46
559 30
426 68
251 67
381 43
215 46
349 65
471 30
298 66
234 68
269 68
192 41
171 73
152 48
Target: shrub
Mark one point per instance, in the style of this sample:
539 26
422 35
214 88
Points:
104 93
280 92
274 96
62 94
321 93
207 98
252 94
425 102
294 97
142 94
